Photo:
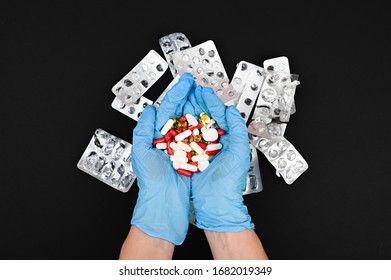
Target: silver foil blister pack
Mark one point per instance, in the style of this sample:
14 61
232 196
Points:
282 155
172 43
131 87
108 159
248 86
204 63
133 110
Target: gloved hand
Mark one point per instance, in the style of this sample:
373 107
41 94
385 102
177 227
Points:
163 208
217 191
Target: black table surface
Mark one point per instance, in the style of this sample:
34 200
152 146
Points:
59 61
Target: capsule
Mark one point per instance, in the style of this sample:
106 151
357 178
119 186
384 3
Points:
184 146
200 158
188 167
214 147
169 150
183 135
196 131
161 146
202 145
173 132
191 120
196 148
175 146
176 165
220 131
179 159
202 165
180 153
184 172
167 127
183 119
158 140
192 127
212 153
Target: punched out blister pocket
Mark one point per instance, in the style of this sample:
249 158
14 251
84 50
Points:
108 159
204 63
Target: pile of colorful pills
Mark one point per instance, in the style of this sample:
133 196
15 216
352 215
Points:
190 142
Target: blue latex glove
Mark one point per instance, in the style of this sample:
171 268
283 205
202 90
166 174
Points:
163 208
217 191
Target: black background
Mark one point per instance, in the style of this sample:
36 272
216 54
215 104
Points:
59 61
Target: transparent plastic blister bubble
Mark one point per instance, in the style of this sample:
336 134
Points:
267 130
131 87
172 43
249 93
161 97
254 180
133 110
108 158
243 69
204 63
282 155
277 95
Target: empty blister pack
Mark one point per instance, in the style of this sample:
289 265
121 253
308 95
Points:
249 93
108 158
133 110
172 43
131 87
204 63
254 181
243 69
282 155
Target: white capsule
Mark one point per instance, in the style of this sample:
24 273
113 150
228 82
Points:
176 165
214 147
184 146
210 134
179 159
161 146
180 153
167 127
189 167
196 132
175 147
183 135
191 119
202 165
196 148
200 158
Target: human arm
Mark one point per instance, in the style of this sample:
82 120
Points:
217 192
140 246
161 214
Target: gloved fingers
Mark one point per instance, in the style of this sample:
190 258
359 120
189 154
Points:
215 107
238 134
199 92
188 108
143 133
175 98
192 99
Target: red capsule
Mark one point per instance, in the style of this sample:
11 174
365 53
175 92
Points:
213 142
192 127
173 132
169 149
184 172
191 138
158 140
189 155
178 131
184 129
183 119
193 163
202 145
212 153
168 136
220 131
